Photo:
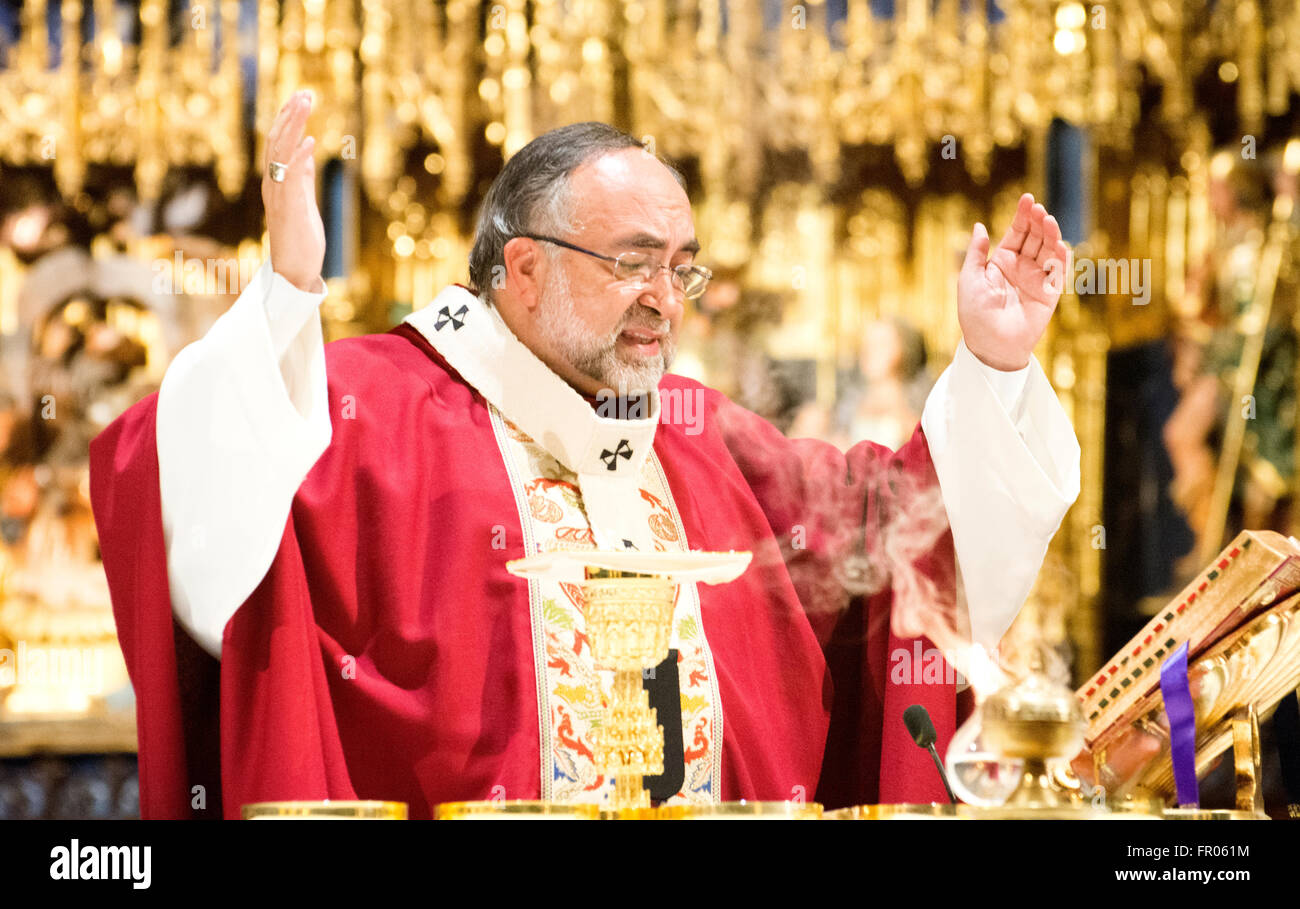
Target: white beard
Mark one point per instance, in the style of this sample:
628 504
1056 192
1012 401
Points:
597 356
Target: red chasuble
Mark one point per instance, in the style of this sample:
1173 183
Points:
388 654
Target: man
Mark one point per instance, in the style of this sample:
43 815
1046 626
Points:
333 523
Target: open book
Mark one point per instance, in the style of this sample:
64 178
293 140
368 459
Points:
1241 621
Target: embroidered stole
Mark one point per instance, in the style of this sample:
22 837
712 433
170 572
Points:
580 481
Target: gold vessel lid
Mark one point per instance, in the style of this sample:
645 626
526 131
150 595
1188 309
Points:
517 809
930 811
326 809
742 810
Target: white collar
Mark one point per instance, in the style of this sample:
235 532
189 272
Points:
605 452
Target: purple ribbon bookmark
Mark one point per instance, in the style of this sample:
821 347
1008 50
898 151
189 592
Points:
1182 726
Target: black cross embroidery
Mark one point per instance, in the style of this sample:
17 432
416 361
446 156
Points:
457 319
622 450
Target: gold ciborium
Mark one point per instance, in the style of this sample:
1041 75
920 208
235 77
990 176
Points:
629 620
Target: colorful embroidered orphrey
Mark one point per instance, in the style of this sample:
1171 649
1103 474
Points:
573 692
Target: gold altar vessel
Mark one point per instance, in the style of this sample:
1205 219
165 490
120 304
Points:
629 600
326 810
743 811
629 617
517 810
932 811
1034 720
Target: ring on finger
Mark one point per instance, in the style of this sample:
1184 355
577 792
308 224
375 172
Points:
278 171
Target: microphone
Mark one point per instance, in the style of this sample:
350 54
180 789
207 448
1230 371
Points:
921 728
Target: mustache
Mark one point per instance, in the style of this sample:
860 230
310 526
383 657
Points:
640 317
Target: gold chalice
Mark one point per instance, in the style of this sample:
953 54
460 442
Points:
629 598
629 620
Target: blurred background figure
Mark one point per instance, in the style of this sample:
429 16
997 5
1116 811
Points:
882 401
1208 353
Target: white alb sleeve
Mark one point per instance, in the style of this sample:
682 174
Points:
1008 465
242 416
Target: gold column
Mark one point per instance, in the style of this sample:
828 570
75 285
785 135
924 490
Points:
69 163
379 155
268 90
454 79
516 81
232 164
596 76
1250 87
151 161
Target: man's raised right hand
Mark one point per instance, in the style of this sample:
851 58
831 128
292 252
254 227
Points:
293 221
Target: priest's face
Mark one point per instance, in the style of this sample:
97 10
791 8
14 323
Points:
602 333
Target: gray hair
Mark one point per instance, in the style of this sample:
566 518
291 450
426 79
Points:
531 194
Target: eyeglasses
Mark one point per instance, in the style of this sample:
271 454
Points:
639 269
